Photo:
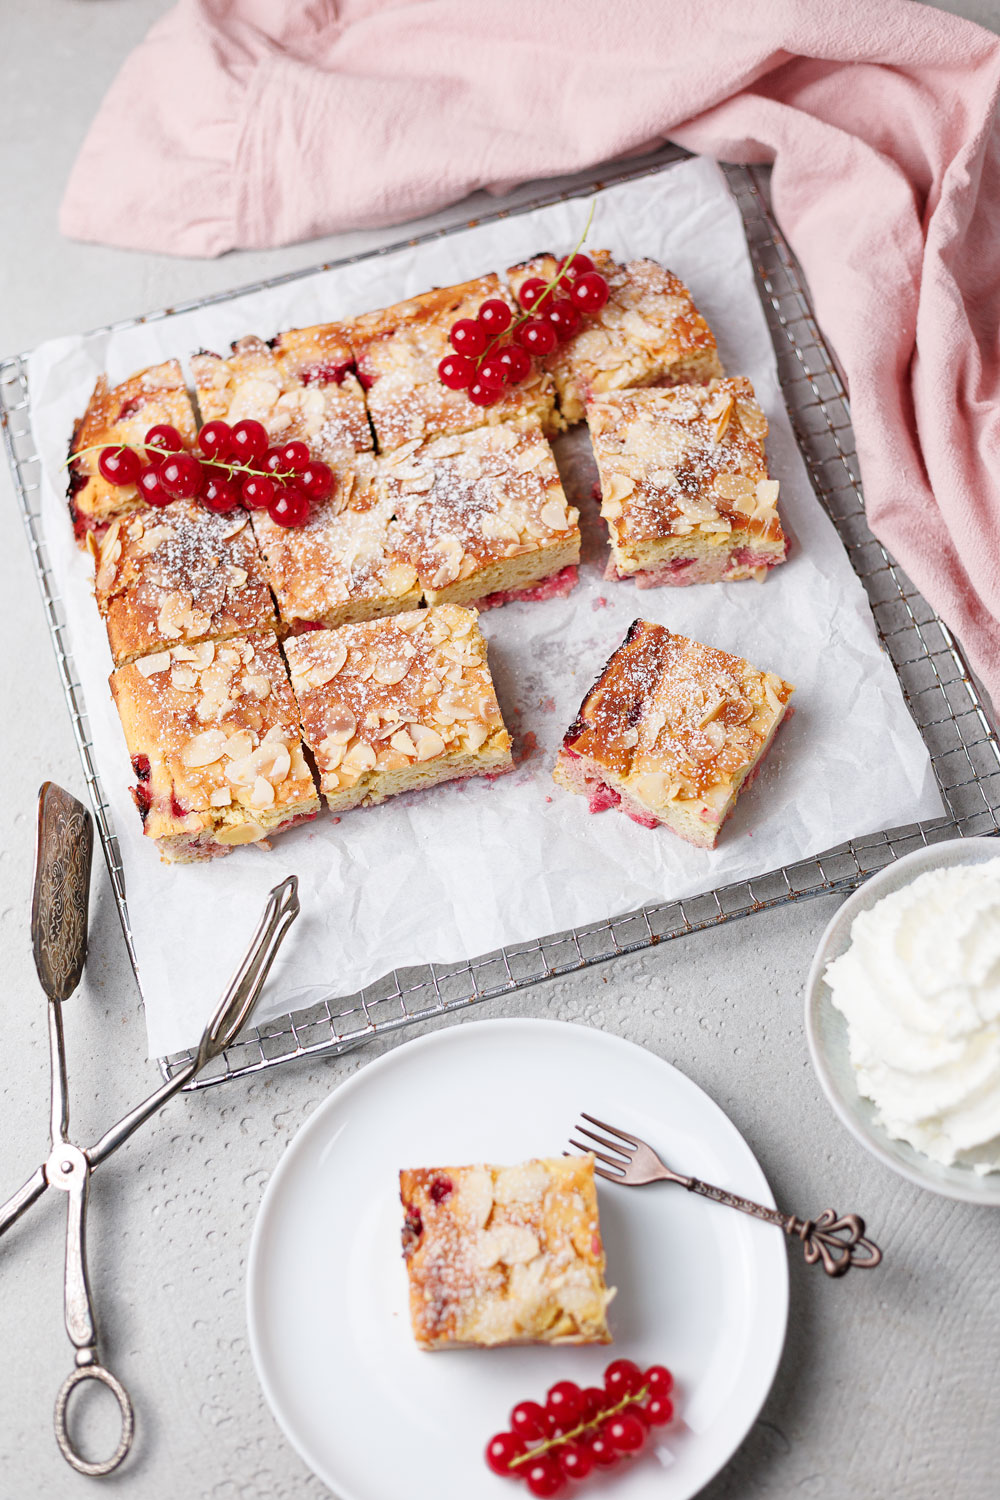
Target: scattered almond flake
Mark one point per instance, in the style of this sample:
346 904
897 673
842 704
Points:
767 492
330 752
150 665
221 797
239 745
257 685
449 551
428 742
619 487
184 678
204 749
553 515
630 737
239 833
402 742
235 526
509 1245
237 575
716 735
476 734
390 670
262 793
400 579
359 758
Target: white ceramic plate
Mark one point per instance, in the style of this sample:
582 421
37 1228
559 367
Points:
700 1288
826 1028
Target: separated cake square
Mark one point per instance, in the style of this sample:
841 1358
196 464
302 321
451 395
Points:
398 704
213 732
122 415
672 731
648 330
684 484
505 1255
484 516
179 574
398 350
348 562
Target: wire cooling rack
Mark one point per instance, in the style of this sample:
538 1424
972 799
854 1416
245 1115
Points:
939 689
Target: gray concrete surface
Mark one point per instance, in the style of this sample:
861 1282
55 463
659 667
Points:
889 1384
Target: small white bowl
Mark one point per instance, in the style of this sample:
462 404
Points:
826 1029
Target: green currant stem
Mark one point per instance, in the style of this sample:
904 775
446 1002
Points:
592 1422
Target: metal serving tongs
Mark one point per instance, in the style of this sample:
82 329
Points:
59 937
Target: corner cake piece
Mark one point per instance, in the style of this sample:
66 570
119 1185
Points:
505 1255
213 732
398 350
302 387
684 484
484 516
398 704
179 574
122 414
348 561
672 731
648 330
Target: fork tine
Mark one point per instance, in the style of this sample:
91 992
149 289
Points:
609 1176
609 1145
620 1169
603 1125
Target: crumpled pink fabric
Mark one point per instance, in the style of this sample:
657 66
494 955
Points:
258 122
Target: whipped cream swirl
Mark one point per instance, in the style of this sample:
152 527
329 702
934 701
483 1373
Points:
919 986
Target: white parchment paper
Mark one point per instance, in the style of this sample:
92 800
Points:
455 872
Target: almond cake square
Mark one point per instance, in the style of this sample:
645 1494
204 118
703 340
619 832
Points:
684 484
671 732
178 574
505 1255
648 330
484 515
213 732
398 350
392 705
122 414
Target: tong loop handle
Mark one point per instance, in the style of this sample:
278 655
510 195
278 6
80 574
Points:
76 1461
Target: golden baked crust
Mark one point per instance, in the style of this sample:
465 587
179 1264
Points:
648 330
398 350
684 482
505 1255
481 512
213 732
395 704
177 574
348 562
122 414
672 729
292 388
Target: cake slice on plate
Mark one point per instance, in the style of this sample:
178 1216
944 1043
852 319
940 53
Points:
398 704
684 484
505 1255
671 732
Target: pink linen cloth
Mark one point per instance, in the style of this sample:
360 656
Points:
258 122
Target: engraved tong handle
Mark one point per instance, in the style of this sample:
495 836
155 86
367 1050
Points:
838 1243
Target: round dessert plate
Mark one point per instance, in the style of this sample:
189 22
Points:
700 1288
826 1028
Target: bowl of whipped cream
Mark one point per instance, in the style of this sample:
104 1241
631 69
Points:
903 1017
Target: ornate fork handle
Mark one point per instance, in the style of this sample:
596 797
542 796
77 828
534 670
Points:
839 1243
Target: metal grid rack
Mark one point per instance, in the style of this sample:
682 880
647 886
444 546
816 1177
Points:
940 691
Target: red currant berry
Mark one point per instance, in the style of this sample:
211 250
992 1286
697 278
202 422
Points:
181 475
150 488
119 465
483 395
529 1420
625 1432
593 1401
289 507
492 372
530 292
468 337
589 292
258 491
537 337
577 265
543 1476
295 455
659 1410
622 1378
249 440
495 316
601 1449
164 437
220 495
564 1404
316 479
516 361
575 1460
500 1450
456 371
272 461
561 315
216 440
659 1380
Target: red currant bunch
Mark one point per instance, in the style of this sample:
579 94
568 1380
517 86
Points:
578 1431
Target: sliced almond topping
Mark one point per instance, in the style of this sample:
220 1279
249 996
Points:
330 753
630 737
400 579
391 669
663 479
257 685
715 733
238 745
204 749
724 418
360 757
508 1244
238 576
618 487
262 793
532 458
767 493
184 678
476 734
611 509
401 741
341 725
553 515
221 797
450 550
428 742
235 526
239 833
274 762
150 665
326 667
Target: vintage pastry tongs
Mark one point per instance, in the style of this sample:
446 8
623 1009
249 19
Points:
59 937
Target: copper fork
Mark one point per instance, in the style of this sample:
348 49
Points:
838 1243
